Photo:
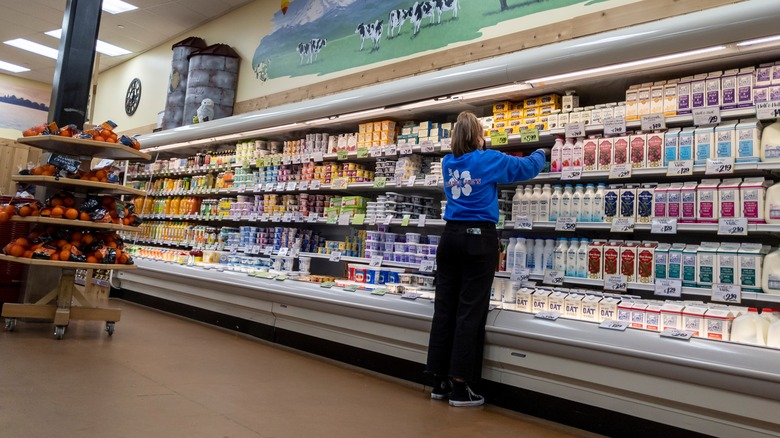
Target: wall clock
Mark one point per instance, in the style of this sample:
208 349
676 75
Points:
133 97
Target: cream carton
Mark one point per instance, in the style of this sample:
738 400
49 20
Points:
590 154
753 194
570 101
670 98
745 81
556 302
628 259
699 91
662 260
638 150
693 320
619 110
728 198
750 261
675 270
688 202
717 323
552 119
611 258
624 308
605 146
657 98
653 316
713 87
643 99
539 300
707 201
706 263
748 137
655 149
688 264
660 200
563 120
639 315
644 203
685 144
608 309
726 140
760 94
628 202
728 263
573 306
671 315
704 144
595 260
673 200
611 202
620 149
524 299
590 308
776 73
645 265
764 75
684 95
728 85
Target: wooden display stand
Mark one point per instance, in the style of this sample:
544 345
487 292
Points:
58 305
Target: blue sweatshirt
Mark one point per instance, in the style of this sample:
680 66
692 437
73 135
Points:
471 181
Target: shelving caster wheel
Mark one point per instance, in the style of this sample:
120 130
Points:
59 332
110 327
10 324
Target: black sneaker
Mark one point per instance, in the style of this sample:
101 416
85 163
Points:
462 395
441 389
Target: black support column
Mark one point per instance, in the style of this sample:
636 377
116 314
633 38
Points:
72 78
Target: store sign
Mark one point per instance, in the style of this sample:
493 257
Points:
529 135
614 126
574 130
499 139
680 168
727 293
719 166
733 226
665 287
653 122
663 225
768 110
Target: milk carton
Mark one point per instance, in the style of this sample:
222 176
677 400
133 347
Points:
624 309
611 202
590 154
764 75
717 323
657 98
611 258
760 94
753 196
673 200
745 81
748 137
643 99
707 201
620 150
670 98
684 96
653 316
660 200
662 260
728 198
693 320
645 266
712 86
608 309
699 91
555 302
644 203
632 103
706 263
776 73
704 138
628 259
688 264
628 201
671 145
688 202
524 299
728 84
573 306
655 149
675 270
605 153
726 140
638 150
590 308
750 261
539 300
728 263
685 144
671 315
595 260
638 315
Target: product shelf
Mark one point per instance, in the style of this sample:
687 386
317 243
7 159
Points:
77 185
65 265
362 260
644 226
83 148
74 223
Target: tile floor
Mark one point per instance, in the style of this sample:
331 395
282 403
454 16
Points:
165 376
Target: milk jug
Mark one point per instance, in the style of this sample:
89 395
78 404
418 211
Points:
772 205
525 202
555 203
571 258
547 255
566 201
539 259
770 275
530 254
577 201
536 195
587 204
521 254
559 256
770 142
510 254
544 203
598 204
516 202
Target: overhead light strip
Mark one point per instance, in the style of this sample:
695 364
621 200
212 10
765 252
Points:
117 6
36 48
101 46
769 39
12 67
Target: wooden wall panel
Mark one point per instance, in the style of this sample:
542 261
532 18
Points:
13 155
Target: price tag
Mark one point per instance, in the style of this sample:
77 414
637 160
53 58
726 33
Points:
411 181
768 110
426 147
566 224
501 221
376 261
268 250
680 168
677 334
519 274
312 218
236 218
264 217
529 135
351 288
552 277
388 219
571 174
358 219
317 157
709 115
446 144
499 139
375 151
280 187
327 284
427 266
296 159
380 182
727 293
303 185
379 291
421 221
254 250
653 122
292 185
719 166
281 277
405 220
623 225
665 287
619 171
362 152
335 256
342 155
390 150
276 217
411 295
732 226
575 130
315 184
344 219
431 180
287 217
614 125
405 149
268 187
611 324
283 252
523 223
339 184
663 225
286 160
616 283
549 316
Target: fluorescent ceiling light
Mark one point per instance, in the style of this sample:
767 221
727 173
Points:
12 67
117 6
361 113
759 41
626 65
101 46
494 91
30 46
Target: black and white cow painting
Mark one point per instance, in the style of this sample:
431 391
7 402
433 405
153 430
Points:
370 31
396 20
304 49
419 11
443 6
315 45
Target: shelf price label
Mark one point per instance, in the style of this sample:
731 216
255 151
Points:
571 174
616 283
287 217
768 110
342 155
332 219
411 181
411 295
358 219
327 284
339 184
351 288
280 187
552 277
529 135
623 225
375 151
611 324
620 171
276 217
312 217
519 274
680 168
388 219
292 185
380 182
446 144
283 252
575 130
499 139
335 256
344 219
390 150
549 316
315 184
614 125
269 187
665 287
268 250
677 334
426 147
733 226
264 217
523 223
405 220
663 225
304 185
719 166
501 221
653 122
427 266
317 157
421 221
709 115
379 291
362 152
431 180
296 159
376 261
405 149
727 293
566 224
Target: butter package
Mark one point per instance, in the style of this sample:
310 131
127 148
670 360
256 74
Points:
707 201
717 323
653 316
688 264
728 198
638 150
645 265
704 144
670 98
745 87
725 140
570 101
660 201
728 84
523 299
671 316
675 270
662 260
644 203
590 308
573 306
684 96
671 145
751 260
639 315
563 120
655 149
713 87
608 309
501 116
556 302
685 150
539 300
706 263
748 137
688 202
575 116
657 98
728 263
693 320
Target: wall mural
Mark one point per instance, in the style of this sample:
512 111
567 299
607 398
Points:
325 36
22 107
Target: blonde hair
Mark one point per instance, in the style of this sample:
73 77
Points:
466 134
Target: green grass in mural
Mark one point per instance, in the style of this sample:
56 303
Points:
343 51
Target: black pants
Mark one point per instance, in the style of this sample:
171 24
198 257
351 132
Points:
466 260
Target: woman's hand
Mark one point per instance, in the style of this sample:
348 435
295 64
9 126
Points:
546 152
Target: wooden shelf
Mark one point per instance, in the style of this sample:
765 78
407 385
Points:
65 265
78 185
74 223
83 148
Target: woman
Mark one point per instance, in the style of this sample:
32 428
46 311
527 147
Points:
467 257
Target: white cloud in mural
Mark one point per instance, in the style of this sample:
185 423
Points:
314 10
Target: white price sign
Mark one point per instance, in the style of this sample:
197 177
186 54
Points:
268 250
446 144
653 122
709 115
571 174
549 316
431 180
405 149
264 217
388 219
523 223
280 187
614 125
616 283
390 150
665 287
680 168
287 217
733 226
335 256
291 185
315 184
719 166
427 266
623 225
344 219
426 147
575 130
411 181
283 252
611 324
677 334
663 225
276 217
268 187
312 217
375 151
421 221
619 171
768 110
304 185
727 293
566 224
376 261
519 274
296 159
317 157
552 277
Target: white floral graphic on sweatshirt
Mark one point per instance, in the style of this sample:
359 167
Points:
460 183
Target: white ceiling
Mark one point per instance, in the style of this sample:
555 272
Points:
153 23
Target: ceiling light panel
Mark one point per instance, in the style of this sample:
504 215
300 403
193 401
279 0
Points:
30 46
12 67
117 6
102 46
